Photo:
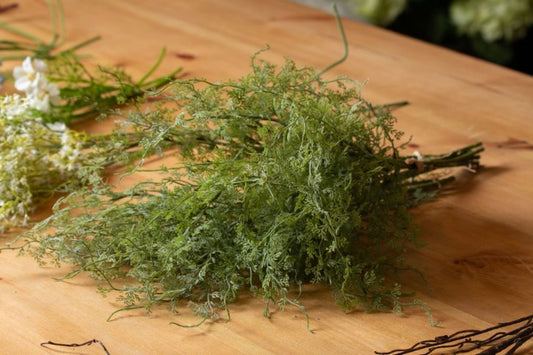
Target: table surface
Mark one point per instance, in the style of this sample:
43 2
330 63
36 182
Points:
478 257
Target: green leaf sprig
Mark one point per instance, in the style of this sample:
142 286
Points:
284 178
28 44
94 93
84 92
39 154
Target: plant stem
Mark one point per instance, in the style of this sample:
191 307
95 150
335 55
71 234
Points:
344 43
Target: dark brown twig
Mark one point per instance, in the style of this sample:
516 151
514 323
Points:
73 345
5 8
464 340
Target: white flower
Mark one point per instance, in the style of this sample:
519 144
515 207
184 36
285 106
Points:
30 77
57 126
493 20
29 73
70 156
43 95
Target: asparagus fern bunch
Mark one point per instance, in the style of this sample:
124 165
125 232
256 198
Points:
282 178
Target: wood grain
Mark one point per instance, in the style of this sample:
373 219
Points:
478 256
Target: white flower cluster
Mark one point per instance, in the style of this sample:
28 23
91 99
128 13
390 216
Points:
31 78
36 159
493 19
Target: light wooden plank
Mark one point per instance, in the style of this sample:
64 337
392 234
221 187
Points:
479 256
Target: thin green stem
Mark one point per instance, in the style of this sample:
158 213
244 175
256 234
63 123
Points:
344 43
190 325
81 44
62 26
153 68
37 47
127 308
159 83
21 33
53 21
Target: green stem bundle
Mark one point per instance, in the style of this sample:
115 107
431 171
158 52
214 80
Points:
91 93
283 179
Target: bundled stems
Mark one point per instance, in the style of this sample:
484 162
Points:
416 169
282 178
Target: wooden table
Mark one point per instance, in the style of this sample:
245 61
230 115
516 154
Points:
479 253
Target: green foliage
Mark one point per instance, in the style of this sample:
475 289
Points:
379 12
27 44
285 178
39 154
93 92
500 31
85 92
492 19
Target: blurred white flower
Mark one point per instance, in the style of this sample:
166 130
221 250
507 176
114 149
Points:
41 97
30 78
35 158
493 20
29 74
57 126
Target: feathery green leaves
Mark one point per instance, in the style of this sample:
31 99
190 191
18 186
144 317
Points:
283 178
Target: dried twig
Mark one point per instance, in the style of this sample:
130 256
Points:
73 345
465 340
5 8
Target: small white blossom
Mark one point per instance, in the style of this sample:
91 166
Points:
43 96
493 20
30 78
29 74
57 126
